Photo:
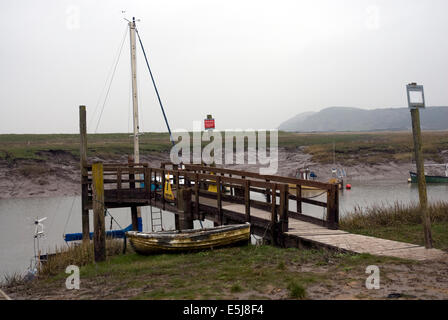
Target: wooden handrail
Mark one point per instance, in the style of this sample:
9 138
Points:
246 182
289 180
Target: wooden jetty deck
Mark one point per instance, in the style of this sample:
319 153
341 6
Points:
232 201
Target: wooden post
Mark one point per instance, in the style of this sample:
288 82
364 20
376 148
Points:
196 194
219 199
274 204
134 212
84 174
299 198
184 206
268 195
284 204
99 233
149 186
119 187
426 219
163 189
247 199
176 181
147 180
332 207
273 214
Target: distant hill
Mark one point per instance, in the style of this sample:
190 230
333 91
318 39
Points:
355 119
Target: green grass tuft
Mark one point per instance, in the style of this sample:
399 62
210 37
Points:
296 291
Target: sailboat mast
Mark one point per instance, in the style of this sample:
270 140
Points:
136 213
134 90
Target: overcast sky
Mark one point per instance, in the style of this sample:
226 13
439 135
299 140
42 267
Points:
251 64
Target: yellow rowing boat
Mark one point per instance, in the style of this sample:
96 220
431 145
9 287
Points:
189 240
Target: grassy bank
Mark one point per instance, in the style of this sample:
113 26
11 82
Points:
399 222
350 148
249 272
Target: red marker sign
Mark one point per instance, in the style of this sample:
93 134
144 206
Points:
209 124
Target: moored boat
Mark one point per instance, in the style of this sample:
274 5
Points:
189 240
429 179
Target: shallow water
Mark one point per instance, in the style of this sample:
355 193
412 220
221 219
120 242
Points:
64 216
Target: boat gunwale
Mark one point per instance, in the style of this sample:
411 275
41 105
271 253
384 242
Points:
188 233
414 174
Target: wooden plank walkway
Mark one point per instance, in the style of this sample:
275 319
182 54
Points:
356 243
342 240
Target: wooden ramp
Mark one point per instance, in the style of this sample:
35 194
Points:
342 240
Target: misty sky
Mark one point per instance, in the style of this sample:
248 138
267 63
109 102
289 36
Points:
251 64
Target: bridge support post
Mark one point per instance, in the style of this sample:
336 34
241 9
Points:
274 232
134 209
284 207
185 216
84 174
333 207
99 233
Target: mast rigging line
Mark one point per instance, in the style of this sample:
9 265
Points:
155 86
111 80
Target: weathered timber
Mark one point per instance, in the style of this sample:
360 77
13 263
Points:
99 233
84 174
184 206
423 197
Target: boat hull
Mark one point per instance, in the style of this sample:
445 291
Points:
429 179
188 240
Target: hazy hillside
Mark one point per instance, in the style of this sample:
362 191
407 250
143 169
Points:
355 119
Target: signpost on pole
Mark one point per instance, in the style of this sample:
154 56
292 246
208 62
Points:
416 101
209 123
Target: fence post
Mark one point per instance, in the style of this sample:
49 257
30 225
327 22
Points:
99 233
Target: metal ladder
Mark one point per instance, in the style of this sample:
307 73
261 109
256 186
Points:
156 219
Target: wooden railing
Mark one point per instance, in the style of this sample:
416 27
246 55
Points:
139 184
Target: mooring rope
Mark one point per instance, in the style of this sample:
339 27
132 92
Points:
316 196
69 215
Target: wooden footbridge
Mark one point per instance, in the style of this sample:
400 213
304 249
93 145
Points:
227 196
232 199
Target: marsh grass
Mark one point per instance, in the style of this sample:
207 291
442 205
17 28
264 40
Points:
296 291
79 255
392 215
400 222
350 147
